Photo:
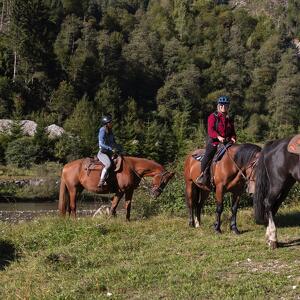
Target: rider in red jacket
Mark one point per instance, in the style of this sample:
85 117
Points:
220 130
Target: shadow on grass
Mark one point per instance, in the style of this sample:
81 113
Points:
289 243
8 253
288 220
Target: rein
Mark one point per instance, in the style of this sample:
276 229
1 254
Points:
146 184
251 165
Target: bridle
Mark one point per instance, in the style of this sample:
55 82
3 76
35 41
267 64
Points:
151 188
252 165
159 188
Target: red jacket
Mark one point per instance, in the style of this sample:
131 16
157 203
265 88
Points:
225 127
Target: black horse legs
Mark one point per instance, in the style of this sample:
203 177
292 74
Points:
219 211
234 209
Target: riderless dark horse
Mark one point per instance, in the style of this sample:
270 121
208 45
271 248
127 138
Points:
277 170
230 174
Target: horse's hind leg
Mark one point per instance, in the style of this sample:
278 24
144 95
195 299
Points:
196 205
234 209
272 203
202 196
271 232
189 202
72 205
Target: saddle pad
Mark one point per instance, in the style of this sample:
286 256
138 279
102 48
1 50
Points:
221 151
294 145
92 163
198 156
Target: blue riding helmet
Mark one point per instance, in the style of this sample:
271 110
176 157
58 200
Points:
223 100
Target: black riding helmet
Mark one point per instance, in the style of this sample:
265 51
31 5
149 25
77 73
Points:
106 119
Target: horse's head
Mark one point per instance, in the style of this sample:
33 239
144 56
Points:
159 182
251 176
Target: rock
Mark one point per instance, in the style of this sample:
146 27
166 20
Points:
29 128
54 131
5 125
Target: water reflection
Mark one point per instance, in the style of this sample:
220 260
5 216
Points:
18 211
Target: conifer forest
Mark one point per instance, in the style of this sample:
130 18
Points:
157 66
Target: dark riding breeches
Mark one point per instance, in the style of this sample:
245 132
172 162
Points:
210 151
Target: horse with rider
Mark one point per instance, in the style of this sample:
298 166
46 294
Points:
110 172
223 166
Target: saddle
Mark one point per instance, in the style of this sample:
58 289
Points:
93 163
199 154
294 145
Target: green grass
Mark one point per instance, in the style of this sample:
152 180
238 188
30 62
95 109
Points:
11 172
157 258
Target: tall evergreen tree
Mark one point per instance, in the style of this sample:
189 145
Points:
63 101
284 103
84 123
131 129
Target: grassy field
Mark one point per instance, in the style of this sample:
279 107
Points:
156 258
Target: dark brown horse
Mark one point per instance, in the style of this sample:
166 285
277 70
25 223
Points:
75 177
230 174
277 171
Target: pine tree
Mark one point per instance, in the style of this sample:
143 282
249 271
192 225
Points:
131 129
84 123
66 41
151 145
63 101
284 102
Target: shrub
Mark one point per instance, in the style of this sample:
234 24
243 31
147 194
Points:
4 140
69 148
21 152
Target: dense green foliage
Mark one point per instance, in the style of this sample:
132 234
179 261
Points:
156 66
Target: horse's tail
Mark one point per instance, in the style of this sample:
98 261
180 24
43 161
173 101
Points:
62 202
261 189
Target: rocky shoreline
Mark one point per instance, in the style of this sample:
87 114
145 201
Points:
12 216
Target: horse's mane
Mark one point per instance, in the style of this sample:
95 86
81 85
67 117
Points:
145 160
245 154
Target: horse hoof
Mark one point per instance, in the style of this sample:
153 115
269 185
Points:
273 245
191 224
235 230
218 231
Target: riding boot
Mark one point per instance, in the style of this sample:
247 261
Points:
203 180
102 181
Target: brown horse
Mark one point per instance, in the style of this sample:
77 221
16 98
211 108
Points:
76 177
230 174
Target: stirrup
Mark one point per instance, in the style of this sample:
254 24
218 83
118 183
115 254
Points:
204 187
101 184
201 178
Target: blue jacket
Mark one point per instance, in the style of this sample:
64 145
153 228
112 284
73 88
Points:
106 140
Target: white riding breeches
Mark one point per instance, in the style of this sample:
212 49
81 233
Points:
106 162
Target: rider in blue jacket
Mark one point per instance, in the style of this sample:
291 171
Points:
107 146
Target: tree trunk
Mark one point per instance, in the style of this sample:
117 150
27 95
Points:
15 65
2 16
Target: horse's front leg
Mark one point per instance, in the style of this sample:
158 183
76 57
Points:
128 198
114 203
219 207
234 209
